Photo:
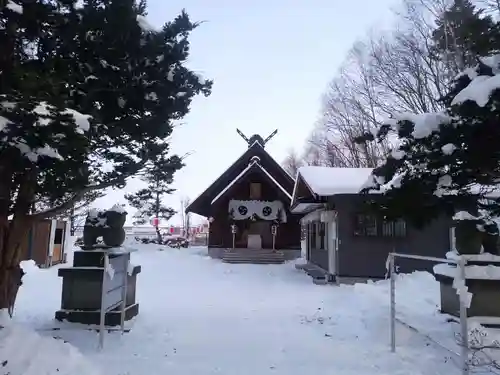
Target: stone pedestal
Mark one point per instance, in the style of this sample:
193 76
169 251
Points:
485 300
81 291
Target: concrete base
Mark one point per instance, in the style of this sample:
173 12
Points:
219 252
81 291
355 280
113 318
485 301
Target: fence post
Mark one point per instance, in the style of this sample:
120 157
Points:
463 320
126 260
102 323
393 300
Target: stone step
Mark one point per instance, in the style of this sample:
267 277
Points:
253 261
248 251
254 254
253 258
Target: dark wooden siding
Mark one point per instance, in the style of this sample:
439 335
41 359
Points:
201 205
40 242
366 256
288 236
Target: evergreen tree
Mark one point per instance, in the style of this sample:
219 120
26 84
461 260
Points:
463 33
158 175
447 162
88 94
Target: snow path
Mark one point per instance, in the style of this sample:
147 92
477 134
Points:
200 316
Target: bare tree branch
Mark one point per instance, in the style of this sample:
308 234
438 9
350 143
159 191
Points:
383 74
292 162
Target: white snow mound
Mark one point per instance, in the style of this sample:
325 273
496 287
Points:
24 352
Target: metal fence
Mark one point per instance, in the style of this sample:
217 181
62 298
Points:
464 354
114 289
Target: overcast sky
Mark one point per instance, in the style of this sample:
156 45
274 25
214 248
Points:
270 60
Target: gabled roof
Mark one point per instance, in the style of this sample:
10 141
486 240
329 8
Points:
325 182
328 181
201 205
253 166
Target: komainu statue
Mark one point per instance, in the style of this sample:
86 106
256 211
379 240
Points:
107 224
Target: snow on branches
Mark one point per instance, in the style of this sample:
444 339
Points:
21 128
446 161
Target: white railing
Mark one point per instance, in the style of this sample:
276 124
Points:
464 354
114 289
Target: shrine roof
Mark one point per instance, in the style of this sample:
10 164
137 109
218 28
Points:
201 205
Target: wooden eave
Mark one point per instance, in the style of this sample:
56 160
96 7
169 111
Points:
254 168
201 205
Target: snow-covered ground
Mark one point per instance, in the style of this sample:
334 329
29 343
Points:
201 316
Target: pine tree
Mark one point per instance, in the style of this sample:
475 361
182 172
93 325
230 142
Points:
463 33
447 162
88 94
158 175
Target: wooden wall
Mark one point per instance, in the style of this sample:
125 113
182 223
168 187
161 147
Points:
288 235
37 243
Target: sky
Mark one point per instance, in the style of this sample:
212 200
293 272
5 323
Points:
271 62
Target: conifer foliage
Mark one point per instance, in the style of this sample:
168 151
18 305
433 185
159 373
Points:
464 32
148 201
89 91
448 162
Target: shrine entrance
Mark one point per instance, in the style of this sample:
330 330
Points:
259 235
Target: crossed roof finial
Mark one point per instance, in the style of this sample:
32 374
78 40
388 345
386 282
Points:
256 138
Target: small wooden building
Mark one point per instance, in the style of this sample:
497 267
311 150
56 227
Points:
46 242
252 197
343 241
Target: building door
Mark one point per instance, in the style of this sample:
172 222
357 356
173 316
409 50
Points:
259 234
332 244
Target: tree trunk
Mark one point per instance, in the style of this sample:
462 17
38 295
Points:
157 227
12 235
10 270
72 222
158 234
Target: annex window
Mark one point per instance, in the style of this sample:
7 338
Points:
255 190
396 228
365 225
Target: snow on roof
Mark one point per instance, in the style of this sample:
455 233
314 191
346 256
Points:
218 177
327 181
274 181
244 172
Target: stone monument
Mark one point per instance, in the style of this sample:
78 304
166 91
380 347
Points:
482 272
82 283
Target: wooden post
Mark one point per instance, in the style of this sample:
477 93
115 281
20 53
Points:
233 231
273 232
